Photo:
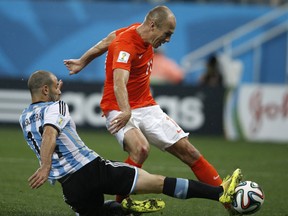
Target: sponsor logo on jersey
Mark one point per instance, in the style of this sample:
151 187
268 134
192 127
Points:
123 57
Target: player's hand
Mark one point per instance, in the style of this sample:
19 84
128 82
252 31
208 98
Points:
39 177
119 122
73 65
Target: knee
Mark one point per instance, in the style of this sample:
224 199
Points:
143 151
139 153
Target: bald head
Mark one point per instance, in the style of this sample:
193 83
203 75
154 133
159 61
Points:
160 15
44 86
38 79
158 26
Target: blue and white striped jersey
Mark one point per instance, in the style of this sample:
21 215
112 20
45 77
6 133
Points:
70 153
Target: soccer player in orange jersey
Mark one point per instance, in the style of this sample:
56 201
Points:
132 114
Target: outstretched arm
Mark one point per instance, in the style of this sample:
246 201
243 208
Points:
76 65
47 149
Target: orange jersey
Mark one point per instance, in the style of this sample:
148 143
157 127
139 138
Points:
128 51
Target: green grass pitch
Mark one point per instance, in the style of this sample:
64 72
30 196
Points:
264 163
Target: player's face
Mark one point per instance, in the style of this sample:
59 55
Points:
55 89
163 34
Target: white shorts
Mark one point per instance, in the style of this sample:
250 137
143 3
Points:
158 128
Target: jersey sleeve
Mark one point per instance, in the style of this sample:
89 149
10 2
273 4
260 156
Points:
124 50
57 115
123 55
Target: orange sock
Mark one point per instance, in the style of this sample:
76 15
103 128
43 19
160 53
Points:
205 172
131 162
119 198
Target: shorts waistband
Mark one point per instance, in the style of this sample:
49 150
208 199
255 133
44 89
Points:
65 178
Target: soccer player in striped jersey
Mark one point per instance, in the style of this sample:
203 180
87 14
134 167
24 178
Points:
84 175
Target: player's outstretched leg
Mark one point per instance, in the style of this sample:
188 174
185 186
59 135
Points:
144 206
229 184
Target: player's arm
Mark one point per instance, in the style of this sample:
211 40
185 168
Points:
76 65
46 152
121 78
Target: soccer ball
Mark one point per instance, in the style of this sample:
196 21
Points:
248 197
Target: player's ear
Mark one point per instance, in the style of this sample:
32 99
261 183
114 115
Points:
152 25
45 90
